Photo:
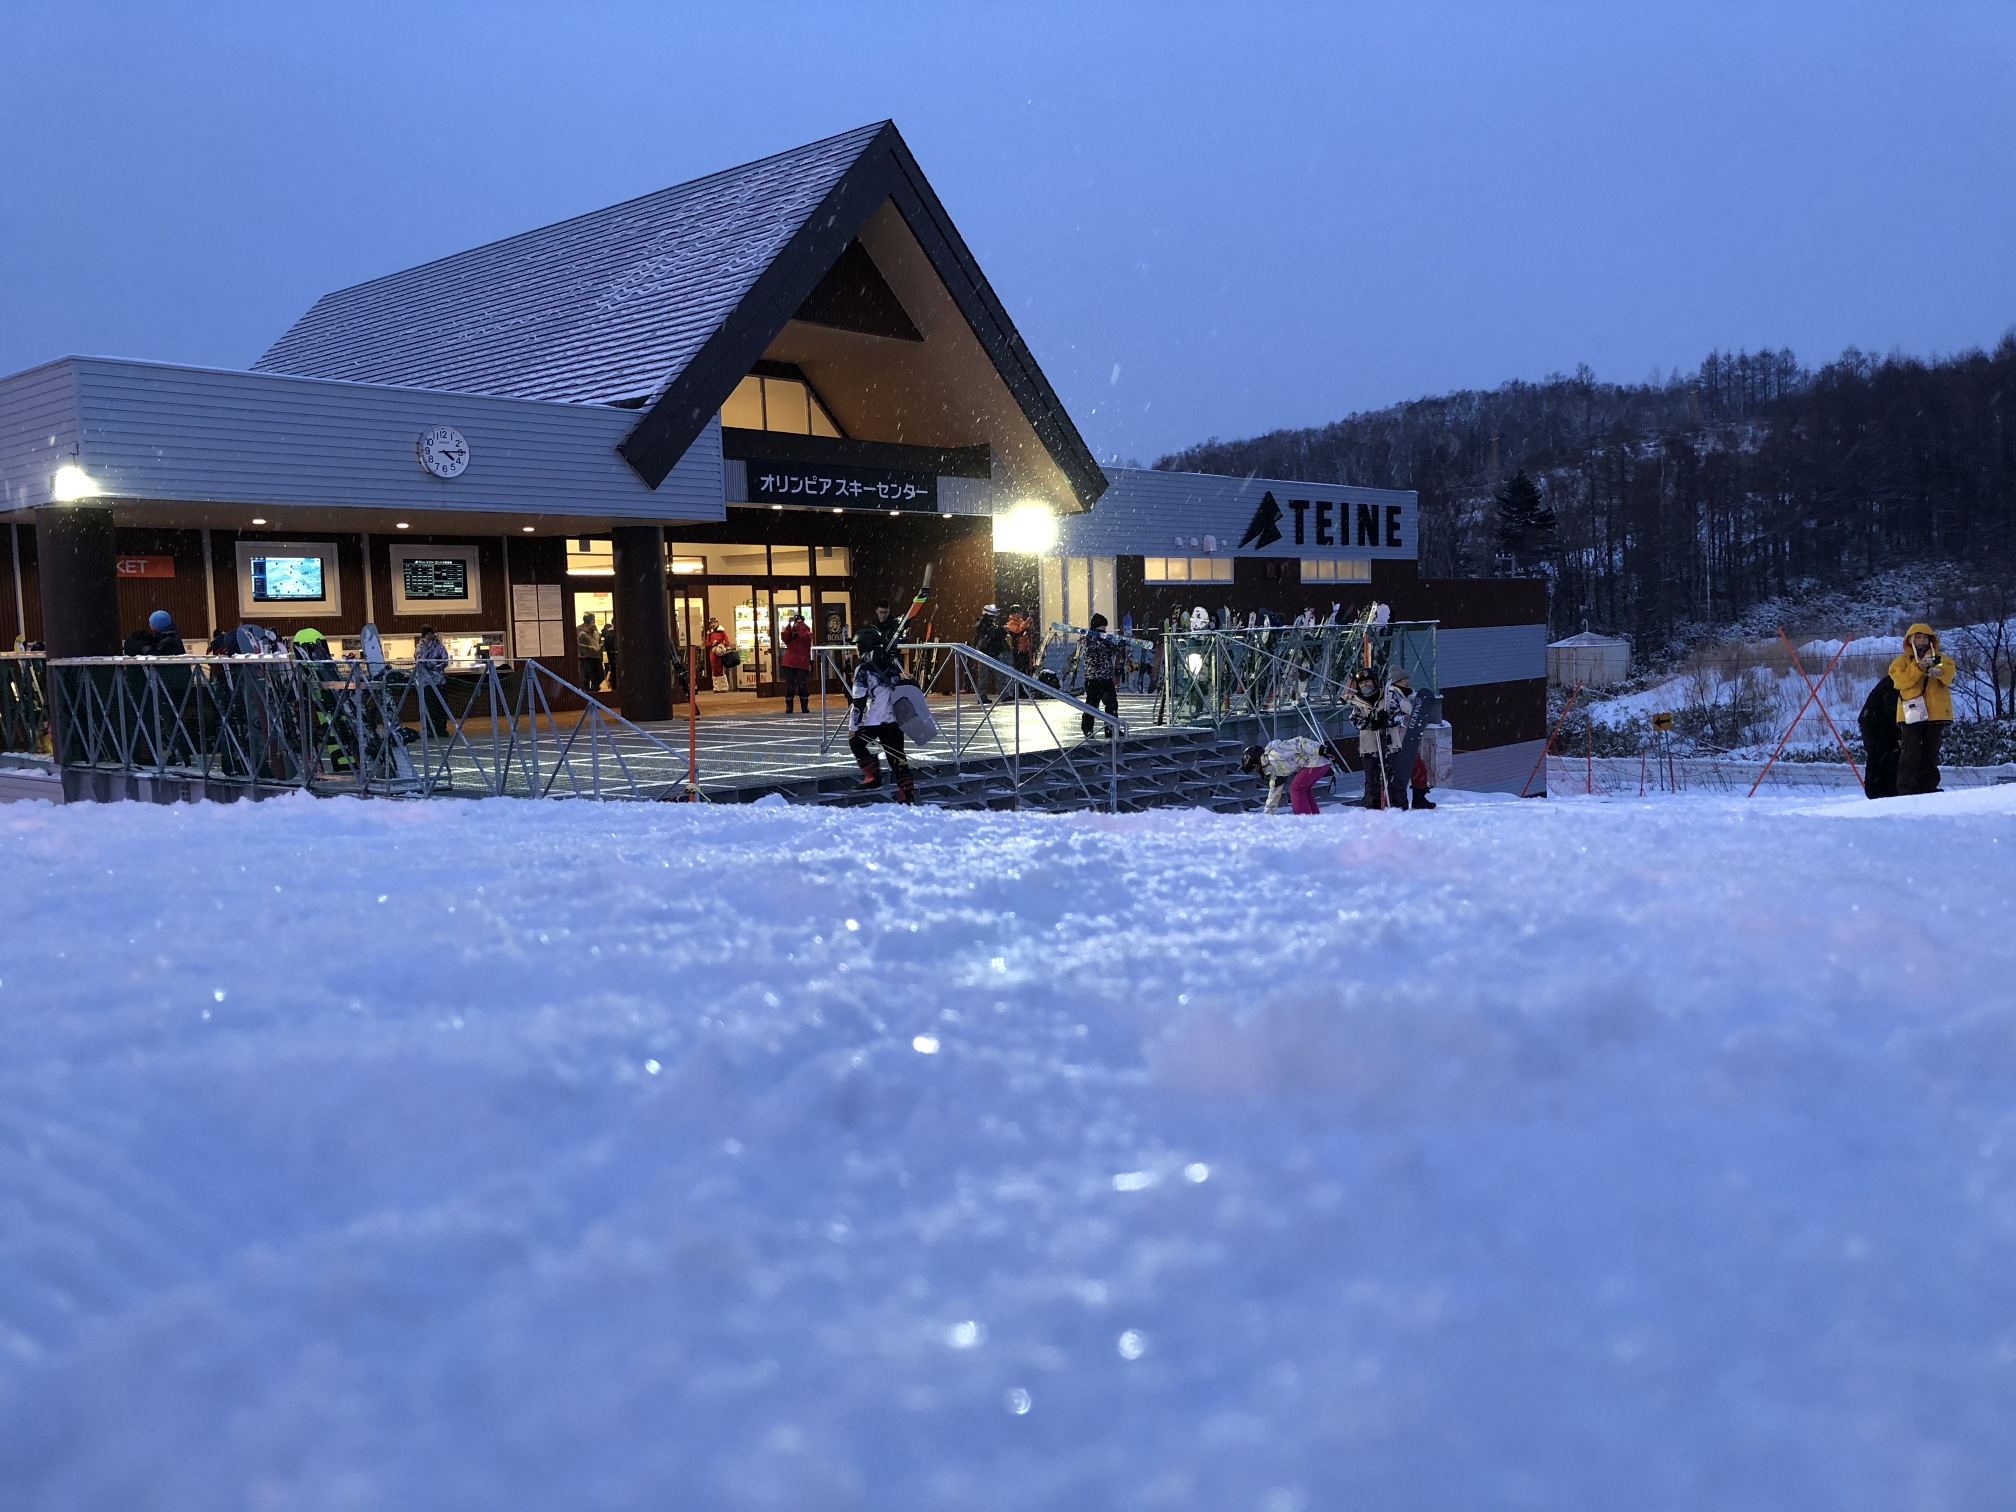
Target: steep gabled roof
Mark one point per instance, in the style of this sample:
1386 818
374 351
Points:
598 309
664 301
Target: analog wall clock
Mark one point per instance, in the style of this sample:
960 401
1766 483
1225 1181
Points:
443 452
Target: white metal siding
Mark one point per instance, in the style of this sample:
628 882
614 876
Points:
38 430
153 431
1143 512
1496 653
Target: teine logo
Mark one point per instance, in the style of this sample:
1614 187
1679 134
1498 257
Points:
1264 529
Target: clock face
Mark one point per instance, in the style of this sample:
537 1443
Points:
443 452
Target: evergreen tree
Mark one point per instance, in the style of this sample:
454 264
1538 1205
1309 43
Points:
1525 528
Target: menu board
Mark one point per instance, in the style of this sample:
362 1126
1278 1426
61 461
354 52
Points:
436 579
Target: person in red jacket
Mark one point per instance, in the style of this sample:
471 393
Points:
797 661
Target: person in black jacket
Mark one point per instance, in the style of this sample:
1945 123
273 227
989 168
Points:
989 639
1878 722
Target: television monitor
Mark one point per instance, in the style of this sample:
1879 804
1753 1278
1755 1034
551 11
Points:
287 580
436 579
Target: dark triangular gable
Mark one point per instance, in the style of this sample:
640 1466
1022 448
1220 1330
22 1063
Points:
885 170
854 296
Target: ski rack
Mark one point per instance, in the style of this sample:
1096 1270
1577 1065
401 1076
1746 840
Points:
275 723
24 702
956 671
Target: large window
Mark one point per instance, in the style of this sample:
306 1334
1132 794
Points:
1187 569
777 404
1316 570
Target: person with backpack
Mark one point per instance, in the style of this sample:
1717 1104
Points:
990 640
796 662
1101 658
1923 676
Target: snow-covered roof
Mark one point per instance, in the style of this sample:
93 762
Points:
608 306
1589 638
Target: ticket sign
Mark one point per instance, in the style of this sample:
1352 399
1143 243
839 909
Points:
145 567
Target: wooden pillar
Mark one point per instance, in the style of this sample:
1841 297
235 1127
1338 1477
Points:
643 640
77 554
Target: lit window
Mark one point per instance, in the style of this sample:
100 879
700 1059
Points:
1331 571
744 409
1210 569
777 404
1177 569
587 557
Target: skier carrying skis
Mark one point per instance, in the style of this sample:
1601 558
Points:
1100 658
1297 765
1380 716
871 710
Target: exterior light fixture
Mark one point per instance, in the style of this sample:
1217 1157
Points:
894 513
838 510
526 528
72 483
402 525
258 519
1028 526
1196 663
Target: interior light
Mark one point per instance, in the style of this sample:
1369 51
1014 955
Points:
1027 526
72 483
1196 663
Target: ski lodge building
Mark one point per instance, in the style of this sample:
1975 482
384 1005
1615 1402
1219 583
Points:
783 386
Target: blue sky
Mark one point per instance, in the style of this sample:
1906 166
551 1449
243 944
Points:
1208 220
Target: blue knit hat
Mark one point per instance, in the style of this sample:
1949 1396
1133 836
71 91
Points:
160 620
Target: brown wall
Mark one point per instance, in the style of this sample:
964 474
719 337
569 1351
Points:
496 594
182 595
1494 714
349 576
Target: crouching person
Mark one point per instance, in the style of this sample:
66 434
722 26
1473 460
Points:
1296 765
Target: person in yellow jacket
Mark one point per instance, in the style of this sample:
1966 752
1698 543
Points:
1923 675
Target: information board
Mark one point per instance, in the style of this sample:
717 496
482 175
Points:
436 579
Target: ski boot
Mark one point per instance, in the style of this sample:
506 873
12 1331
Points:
1420 797
906 790
871 773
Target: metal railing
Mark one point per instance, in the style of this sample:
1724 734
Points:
24 702
1294 672
483 729
949 670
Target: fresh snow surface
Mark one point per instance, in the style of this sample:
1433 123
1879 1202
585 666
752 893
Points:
1609 1155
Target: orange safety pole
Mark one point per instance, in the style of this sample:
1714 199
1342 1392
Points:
1841 744
1589 759
1550 739
1811 694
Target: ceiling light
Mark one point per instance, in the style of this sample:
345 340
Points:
258 520
72 483
895 512
402 525
777 506
527 529
1027 526
838 510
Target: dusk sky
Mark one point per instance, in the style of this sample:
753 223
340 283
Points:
1211 220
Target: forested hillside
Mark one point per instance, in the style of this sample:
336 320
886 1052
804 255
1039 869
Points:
1663 508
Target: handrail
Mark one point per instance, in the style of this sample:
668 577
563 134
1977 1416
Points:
350 726
956 655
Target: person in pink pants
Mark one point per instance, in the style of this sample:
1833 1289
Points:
1297 765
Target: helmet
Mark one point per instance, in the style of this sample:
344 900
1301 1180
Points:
1249 759
160 620
307 637
989 609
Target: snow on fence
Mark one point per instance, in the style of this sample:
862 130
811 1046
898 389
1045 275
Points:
1628 776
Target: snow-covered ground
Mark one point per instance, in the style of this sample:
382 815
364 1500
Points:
1585 1155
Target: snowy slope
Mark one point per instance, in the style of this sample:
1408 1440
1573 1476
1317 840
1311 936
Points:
1589 1156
